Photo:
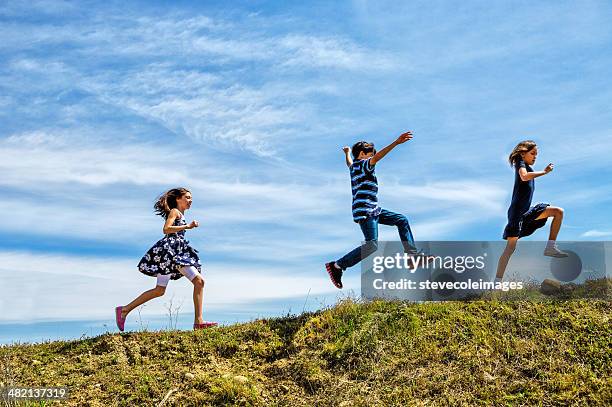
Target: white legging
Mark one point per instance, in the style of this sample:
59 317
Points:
188 271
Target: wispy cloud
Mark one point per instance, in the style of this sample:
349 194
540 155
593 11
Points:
85 287
597 233
484 197
218 107
68 172
40 159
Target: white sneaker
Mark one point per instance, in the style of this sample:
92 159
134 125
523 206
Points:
554 252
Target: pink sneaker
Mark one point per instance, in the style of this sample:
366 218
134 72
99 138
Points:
120 321
204 325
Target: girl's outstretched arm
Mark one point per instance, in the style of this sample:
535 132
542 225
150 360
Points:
169 228
527 176
347 156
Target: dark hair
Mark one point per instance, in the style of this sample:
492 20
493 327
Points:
167 201
522 147
360 146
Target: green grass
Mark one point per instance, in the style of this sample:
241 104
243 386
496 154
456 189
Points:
354 354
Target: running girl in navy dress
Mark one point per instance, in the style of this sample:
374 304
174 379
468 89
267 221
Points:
171 257
523 220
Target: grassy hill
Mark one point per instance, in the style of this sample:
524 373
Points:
353 354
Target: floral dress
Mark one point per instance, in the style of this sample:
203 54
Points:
169 254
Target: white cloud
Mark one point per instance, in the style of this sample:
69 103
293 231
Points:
199 89
65 186
596 233
55 165
45 286
82 174
332 52
42 158
483 197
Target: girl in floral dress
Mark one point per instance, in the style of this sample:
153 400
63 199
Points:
171 257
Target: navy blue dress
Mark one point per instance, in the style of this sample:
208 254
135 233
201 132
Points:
521 218
169 254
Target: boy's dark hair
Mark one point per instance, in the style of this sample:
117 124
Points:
360 146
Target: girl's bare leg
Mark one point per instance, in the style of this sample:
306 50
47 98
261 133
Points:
505 257
148 295
557 215
198 297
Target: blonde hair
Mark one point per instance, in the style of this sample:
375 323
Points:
522 147
167 201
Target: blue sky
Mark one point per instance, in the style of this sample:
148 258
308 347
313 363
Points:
105 106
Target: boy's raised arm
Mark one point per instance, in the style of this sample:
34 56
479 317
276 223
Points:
400 140
347 156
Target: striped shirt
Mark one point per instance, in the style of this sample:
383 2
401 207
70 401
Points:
365 188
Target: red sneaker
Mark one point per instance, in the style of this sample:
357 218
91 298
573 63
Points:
120 321
335 273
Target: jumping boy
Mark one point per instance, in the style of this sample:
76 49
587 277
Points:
366 211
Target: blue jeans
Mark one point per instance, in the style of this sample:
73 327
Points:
369 227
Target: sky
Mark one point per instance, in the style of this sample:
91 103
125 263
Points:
104 106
